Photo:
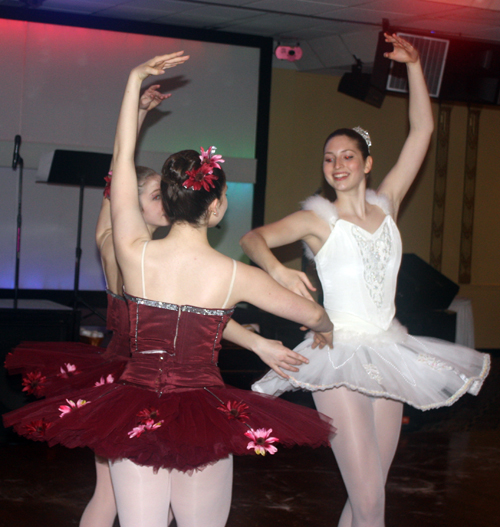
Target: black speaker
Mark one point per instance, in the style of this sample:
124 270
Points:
359 86
471 71
421 287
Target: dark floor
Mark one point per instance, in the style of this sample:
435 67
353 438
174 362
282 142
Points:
446 474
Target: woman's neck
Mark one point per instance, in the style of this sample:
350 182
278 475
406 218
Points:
189 233
352 202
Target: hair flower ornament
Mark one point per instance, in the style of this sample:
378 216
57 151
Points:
203 177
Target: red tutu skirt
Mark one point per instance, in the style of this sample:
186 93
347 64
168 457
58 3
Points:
53 368
182 429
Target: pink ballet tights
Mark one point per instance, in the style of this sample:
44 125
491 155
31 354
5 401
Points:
198 499
367 436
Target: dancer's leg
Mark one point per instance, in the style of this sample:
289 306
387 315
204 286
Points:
142 496
388 417
357 453
203 498
101 509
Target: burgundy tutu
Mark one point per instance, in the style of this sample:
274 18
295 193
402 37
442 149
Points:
51 368
170 407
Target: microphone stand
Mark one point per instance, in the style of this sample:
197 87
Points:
18 234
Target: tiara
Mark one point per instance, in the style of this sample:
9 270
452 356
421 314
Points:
365 135
203 176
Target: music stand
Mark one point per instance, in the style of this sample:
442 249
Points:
82 169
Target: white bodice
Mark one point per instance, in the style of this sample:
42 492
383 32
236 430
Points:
358 270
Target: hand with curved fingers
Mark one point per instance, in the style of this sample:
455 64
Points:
279 357
295 281
320 340
151 98
157 65
403 51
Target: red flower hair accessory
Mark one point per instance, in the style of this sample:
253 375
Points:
204 175
107 188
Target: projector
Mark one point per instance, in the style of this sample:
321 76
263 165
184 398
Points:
290 53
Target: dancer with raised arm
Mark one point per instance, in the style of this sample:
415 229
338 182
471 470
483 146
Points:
51 368
169 425
374 365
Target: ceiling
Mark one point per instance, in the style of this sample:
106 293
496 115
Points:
330 32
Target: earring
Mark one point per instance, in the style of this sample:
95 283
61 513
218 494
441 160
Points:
215 213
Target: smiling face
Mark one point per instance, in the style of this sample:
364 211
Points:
150 200
343 165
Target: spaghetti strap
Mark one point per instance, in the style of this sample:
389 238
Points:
230 285
102 261
142 269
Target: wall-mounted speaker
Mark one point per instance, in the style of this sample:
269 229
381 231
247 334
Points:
455 69
359 86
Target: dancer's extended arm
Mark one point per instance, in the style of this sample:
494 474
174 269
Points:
272 352
398 181
129 228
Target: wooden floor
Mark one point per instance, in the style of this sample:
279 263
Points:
446 474
438 479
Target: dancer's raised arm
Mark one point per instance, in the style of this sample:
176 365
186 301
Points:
398 181
150 99
129 226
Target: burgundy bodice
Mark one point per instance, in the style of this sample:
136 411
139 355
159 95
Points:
118 322
174 347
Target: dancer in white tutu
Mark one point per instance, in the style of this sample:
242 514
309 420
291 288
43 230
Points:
374 365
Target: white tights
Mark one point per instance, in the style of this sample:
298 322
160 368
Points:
364 447
101 509
198 499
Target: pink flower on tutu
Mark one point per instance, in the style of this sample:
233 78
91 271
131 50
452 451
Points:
148 414
67 370
66 409
261 442
144 427
108 380
235 410
137 431
151 425
33 383
37 428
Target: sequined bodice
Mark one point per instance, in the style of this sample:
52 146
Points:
358 271
174 346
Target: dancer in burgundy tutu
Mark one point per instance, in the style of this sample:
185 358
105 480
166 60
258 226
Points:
169 425
51 368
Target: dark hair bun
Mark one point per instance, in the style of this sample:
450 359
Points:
182 204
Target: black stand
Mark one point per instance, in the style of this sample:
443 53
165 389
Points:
18 233
70 167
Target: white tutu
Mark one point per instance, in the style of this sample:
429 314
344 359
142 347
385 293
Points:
421 371
373 353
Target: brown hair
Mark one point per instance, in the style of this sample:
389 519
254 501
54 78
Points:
182 204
